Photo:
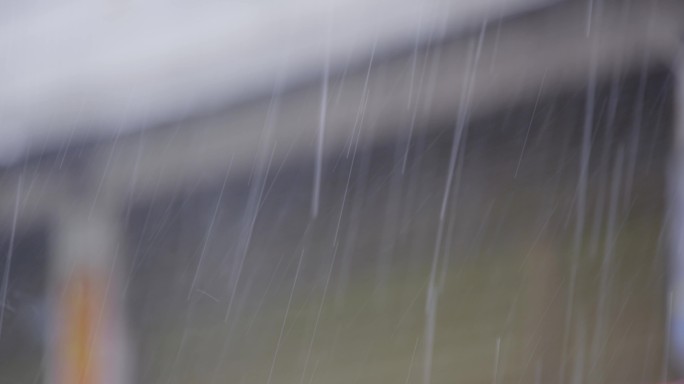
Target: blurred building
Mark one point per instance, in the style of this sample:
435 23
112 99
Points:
337 191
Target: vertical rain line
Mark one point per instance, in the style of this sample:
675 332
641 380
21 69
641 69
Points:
287 312
10 252
321 126
256 194
581 207
603 167
332 261
210 230
252 211
664 375
433 290
529 126
637 122
598 340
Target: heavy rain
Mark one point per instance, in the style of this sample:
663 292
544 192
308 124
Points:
342 191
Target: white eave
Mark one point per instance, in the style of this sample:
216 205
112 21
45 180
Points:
82 69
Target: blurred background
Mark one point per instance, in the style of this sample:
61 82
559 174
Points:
341 191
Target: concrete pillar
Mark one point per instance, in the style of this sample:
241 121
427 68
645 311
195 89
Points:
674 345
87 337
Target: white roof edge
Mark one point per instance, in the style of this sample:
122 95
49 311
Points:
87 69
